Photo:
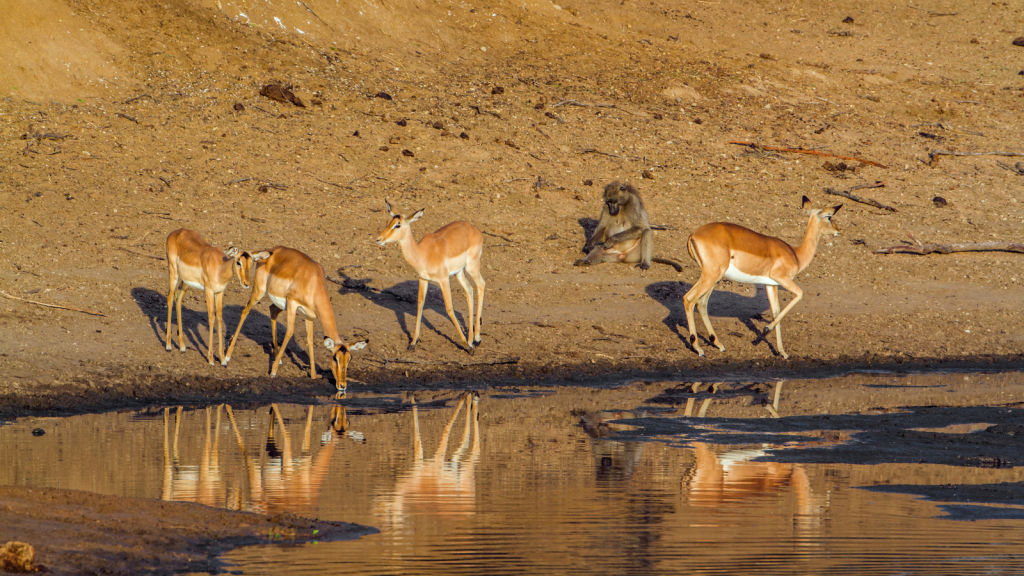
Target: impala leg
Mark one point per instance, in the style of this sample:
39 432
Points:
219 306
288 331
309 345
171 293
258 289
690 299
478 280
181 331
419 313
773 301
274 313
702 305
446 292
211 321
461 277
788 284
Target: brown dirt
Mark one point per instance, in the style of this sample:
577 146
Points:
120 124
83 533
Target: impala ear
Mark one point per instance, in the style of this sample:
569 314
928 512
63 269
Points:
417 215
358 345
806 204
390 211
329 343
836 208
260 256
232 252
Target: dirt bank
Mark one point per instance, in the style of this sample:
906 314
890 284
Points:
83 533
164 127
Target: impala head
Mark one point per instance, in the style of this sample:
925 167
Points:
616 195
242 265
341 354
396 226
823 217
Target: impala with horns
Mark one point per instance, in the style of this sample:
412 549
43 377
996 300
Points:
455 250
295 282
724 250
192 263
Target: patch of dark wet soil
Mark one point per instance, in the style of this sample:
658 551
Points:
141 387
84 533
908 436
965 501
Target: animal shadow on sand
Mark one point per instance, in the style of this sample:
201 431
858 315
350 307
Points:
401 300
194 324
722 304
588 225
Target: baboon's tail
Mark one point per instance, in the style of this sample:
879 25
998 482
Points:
670 262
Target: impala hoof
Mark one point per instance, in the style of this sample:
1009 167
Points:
273 374
472 351
183 348
225 361
476 342
169 347
412 347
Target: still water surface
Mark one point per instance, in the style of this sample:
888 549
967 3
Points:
536 481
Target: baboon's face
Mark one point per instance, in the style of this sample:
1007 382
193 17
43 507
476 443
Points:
615 196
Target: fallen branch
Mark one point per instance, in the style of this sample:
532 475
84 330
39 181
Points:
127 117
1017 168
855 198
596 151
130 100
933 156
509 240
54 305
950 248
503 360
141 254
662 227
755 145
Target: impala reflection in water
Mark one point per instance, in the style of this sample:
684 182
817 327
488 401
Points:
437 486
279 482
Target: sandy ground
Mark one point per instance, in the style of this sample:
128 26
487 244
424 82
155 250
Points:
121 122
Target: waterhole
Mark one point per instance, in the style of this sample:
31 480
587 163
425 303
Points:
864 474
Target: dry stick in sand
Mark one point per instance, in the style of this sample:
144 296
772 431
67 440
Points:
920 248
52 305
800 151
933 156
855 198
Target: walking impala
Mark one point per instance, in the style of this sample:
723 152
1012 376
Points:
741 255
453 249
196 264
296 282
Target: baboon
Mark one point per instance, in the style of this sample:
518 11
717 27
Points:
624 232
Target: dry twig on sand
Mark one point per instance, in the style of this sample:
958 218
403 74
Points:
755 145
855 198
5 294
919 248
933 156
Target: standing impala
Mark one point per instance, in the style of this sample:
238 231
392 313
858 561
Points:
453 249
742 255
196 264
296 282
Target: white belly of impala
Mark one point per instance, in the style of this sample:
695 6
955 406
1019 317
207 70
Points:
195 285
736 276
279 302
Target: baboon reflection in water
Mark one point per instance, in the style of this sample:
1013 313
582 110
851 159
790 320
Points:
285 482
437 486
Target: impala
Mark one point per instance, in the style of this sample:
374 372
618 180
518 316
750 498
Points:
453 249
192 263
724 250
296 282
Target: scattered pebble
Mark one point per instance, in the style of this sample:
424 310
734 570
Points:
464 136
848 20
402 122
647 174
239 106
281 93
497 90
384 96
38 432
939 202
1019 41
438 125
588 182
407 152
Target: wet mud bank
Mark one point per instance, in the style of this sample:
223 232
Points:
128 388
77 532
